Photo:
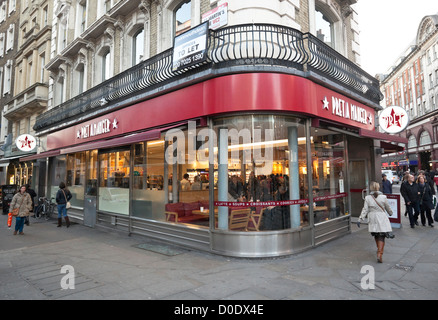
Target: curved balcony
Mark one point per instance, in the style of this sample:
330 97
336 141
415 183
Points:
239 48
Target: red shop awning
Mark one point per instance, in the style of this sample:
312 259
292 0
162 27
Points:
116 142
41 155
382 136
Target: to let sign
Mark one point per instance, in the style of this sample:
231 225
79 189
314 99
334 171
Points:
190 48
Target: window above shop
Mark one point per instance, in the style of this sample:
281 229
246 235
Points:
182 17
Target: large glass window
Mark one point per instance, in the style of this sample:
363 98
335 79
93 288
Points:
75 180
328 175
114 181
57 167
187 176
261 162
92 163
148 196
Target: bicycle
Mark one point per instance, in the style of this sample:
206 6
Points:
45 208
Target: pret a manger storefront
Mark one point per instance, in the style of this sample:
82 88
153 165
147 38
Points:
275 138
251 153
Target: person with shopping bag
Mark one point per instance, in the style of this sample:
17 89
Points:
376 207
23 203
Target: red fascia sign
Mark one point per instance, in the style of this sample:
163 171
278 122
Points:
237 93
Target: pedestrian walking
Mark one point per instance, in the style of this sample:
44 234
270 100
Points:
410 194
376 207
426 200
23 202
386 185
62 197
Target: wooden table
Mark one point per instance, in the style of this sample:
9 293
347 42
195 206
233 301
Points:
307 208
205 212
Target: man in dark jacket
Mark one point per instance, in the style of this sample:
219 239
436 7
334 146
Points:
409 192
386 185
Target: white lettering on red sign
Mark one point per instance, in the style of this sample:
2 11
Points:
97 128
343 109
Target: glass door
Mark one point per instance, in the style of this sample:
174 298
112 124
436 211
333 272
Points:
358 185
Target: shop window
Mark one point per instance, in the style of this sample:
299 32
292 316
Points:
261 159
75 178
92 163
114 181
182 17
58 166
328 175
148 196
187 176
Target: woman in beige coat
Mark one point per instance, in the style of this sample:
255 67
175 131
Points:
22 201
375 207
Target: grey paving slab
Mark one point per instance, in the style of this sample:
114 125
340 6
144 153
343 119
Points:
111 265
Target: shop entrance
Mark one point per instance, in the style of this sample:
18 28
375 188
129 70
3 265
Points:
358 185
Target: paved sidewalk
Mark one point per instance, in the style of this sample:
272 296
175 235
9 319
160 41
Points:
109 265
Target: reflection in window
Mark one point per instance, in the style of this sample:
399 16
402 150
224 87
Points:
92 163
183 17
114 181
138 47
106 66
324 28
330 199
187 177
75 180
425 138
148 180
266 161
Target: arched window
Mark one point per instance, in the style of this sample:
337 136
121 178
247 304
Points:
425 138
412 142
106 65
183 17
138 47
324 28
81 78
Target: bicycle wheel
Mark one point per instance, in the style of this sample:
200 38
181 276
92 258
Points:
48 211
38 211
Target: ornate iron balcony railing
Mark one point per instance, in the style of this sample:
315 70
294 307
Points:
250 46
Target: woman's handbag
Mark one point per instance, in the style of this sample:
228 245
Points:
16 211
67 203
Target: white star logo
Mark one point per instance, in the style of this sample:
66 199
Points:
115 126
326 104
